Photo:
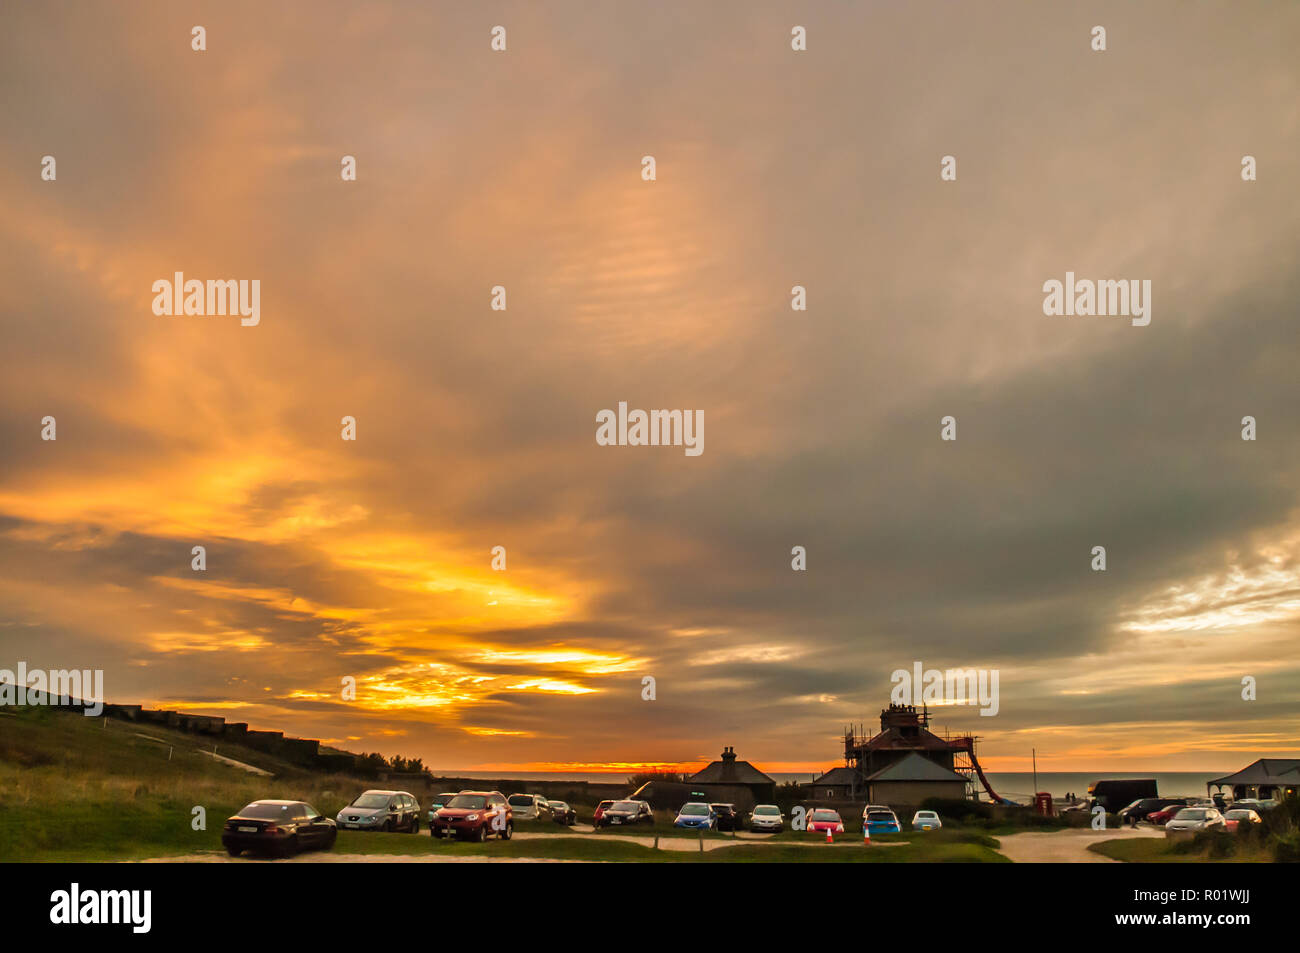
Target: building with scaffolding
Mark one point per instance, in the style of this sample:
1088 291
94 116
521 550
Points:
905 762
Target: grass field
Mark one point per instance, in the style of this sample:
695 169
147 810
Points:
79 789
1156 850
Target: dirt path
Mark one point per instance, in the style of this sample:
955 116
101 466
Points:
678 844
1066 847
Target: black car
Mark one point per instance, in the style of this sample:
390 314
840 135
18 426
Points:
727 818
382 811
277 827
561 813
1139 809
626 814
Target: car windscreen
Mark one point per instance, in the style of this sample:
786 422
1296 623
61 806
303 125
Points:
558 805
880 816
371 800
767 810
632 806
695 810
520 800
469 802
268 812
1191 814
825 816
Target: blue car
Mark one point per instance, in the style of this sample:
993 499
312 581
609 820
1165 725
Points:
882 822
697 815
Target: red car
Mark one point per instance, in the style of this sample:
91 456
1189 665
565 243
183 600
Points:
1241 815
475 815
1165 814
600 812
823 819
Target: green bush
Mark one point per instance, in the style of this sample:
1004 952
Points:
1286 848
958 809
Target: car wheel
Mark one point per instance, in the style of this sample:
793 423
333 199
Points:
234 851
509 832
388 826
329 844
415 825
293 847
480 834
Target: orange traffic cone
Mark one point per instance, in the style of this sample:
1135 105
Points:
866 836
829 838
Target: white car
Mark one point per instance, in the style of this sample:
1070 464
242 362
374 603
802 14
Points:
1197 819
529 807
874 807
926 821
766 819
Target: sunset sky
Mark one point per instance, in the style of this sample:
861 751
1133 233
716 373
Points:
476 428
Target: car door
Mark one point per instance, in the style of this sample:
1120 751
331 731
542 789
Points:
500 814
308 829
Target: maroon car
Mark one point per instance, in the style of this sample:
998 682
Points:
474 815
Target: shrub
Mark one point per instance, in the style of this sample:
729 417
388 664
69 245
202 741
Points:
958 809
1286 848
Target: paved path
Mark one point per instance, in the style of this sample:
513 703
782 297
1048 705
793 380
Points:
1066 847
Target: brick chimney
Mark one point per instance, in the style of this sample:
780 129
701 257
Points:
728 763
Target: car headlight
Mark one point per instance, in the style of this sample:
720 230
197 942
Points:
471 817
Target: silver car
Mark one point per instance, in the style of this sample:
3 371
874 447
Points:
529 807
766 819
926 821
1197 819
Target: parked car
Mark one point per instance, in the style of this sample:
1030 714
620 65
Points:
1241 815
696 814
727 818
1139 809
873 807
823 819
627 813
529 807
600 812
1167 813
1196 819
436 802
882 822
277 827
1252 804
475 815
381 811
766 819
926 821
562 813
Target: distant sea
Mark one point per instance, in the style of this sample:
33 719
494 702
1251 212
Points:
1015 786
